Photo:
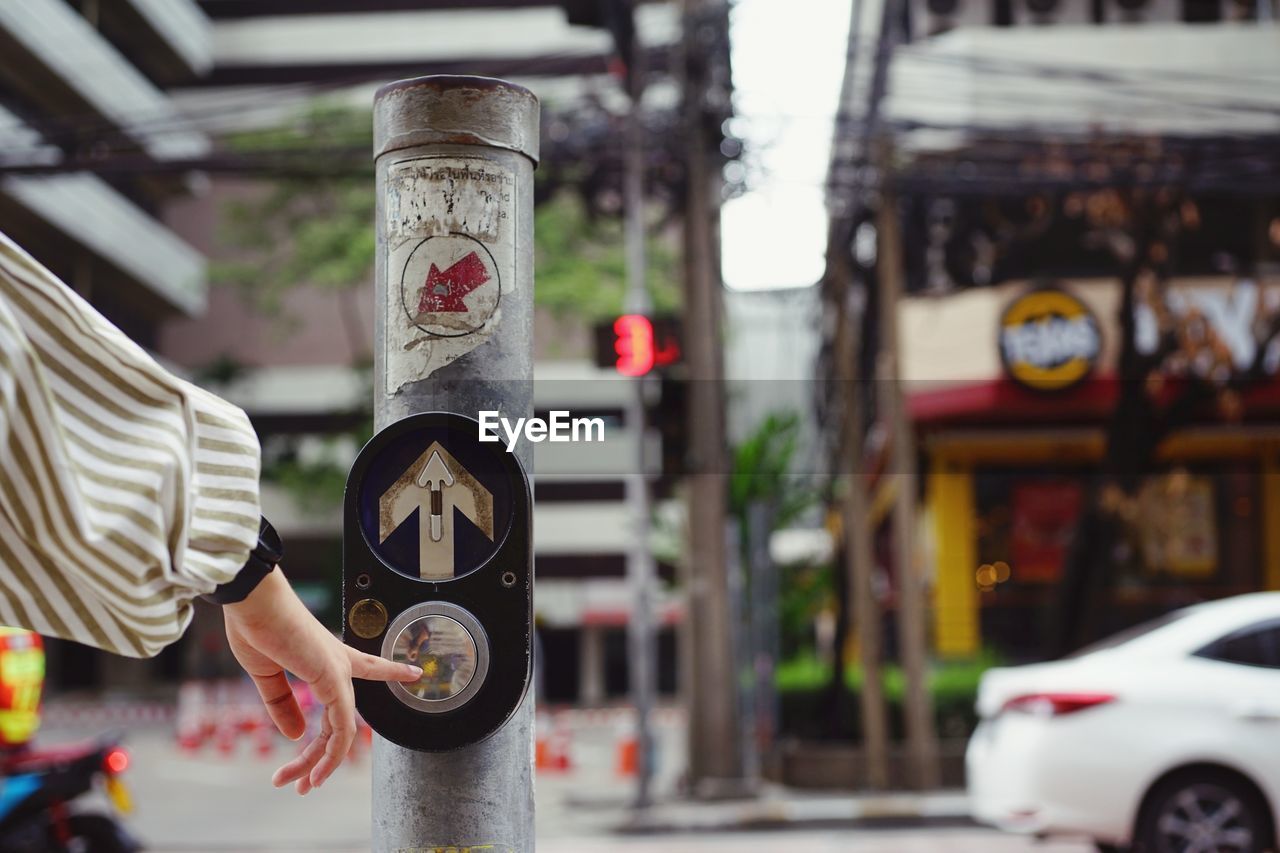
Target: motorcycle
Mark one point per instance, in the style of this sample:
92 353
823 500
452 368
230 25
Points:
38 788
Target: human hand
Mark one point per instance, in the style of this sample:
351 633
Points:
272 631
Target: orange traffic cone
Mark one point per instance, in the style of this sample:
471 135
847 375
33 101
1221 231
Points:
560 752
192 724
551 748
628 755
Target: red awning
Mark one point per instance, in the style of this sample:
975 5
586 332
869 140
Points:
1002 401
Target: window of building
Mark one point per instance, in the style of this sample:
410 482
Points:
1201 11
1193 533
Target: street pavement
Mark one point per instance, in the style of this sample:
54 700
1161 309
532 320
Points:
918 840
209 802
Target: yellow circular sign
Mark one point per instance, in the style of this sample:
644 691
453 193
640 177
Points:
1049 339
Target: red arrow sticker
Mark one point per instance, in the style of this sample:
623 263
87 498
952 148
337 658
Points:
450 241
443 292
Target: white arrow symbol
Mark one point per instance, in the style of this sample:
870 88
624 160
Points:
435 471
435 485
436 476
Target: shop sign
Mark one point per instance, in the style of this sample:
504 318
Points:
1049 339
1044 515
1179 532
1213 319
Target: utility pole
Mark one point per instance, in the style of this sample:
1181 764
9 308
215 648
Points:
849 203
922 740
641 572
856 533
715 756
848 299
922 746
470 142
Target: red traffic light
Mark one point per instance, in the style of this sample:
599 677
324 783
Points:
633 344
636 345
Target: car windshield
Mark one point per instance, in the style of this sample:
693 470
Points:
1128 635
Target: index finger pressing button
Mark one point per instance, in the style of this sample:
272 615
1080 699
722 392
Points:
450 646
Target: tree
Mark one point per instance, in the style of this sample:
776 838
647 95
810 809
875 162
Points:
763 471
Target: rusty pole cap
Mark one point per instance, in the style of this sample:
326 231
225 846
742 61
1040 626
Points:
448 109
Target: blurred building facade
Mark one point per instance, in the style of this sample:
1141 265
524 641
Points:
74 89
1010 468
1004 120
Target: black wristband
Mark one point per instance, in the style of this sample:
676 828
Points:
262 561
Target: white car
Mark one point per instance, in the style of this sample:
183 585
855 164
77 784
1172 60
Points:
1163 739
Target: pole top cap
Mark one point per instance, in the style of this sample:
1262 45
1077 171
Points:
458 110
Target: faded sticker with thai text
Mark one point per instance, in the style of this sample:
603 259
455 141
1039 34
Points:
451 256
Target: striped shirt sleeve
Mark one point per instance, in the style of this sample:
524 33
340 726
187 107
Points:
125 492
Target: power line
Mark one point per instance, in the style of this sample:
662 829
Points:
124 130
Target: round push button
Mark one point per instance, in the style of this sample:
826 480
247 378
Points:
450 646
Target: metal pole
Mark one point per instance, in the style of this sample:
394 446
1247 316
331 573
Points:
457 153
922 747
863 606
710 677
763 643
917 704
641 573
846 206
742 644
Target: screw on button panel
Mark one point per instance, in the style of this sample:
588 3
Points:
367 618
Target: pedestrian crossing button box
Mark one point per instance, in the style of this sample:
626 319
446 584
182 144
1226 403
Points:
438 572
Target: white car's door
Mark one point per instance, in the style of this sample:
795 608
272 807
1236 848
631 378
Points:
1243 673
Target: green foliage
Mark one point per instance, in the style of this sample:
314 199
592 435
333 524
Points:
323 127
804 686
319 482
316 486
803 672
947 679
223 370
805 591
315 231
582 266
762 471
319 231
